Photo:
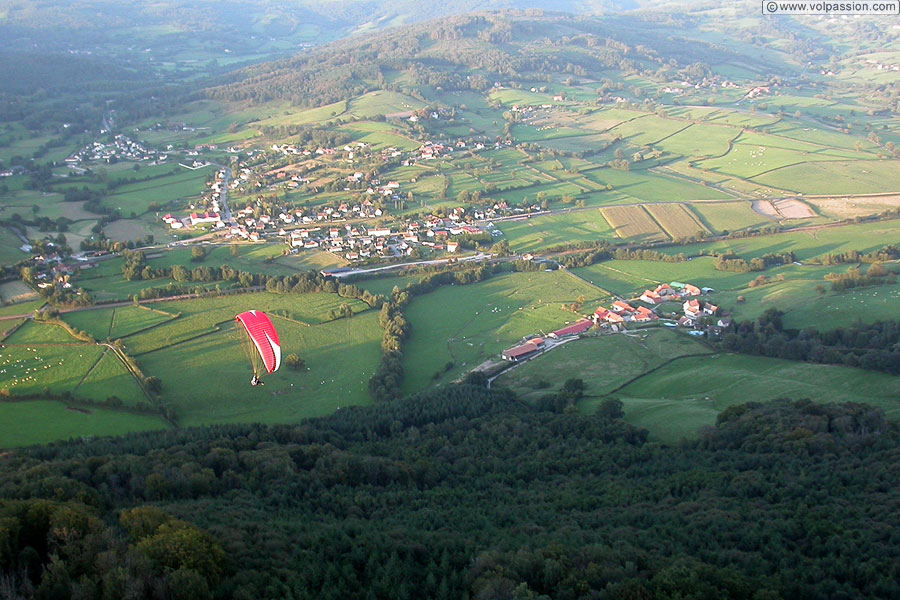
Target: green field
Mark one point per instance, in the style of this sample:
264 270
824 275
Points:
9 248
206 315
528 234
137 197
43 421
631 277
838 177
806 245
116 322
55 368
681 397
723 217
604 362
468 325
107 378
206 379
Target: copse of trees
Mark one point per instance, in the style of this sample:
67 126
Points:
875 346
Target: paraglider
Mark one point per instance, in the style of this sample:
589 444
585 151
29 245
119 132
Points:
260 343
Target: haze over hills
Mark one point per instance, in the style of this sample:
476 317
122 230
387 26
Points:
577 300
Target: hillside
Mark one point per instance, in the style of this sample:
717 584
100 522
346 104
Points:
474 52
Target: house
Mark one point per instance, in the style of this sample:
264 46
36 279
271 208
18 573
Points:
723 322
600 314
205 218
574 329
710 309
452 246
622 307
644 315
691 290
691 308
612 317
665 290
651 297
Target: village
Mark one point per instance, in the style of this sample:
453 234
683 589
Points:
121 148
358 228
696 316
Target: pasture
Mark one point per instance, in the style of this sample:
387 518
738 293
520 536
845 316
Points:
679 398
603 362
136 198
476 322
529 234
9 248
837 177
630 277
649 186
108 377
35 368
206 379
113 323
723 217
42 421
806 245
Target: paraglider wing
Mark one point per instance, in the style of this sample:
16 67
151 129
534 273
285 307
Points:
264 337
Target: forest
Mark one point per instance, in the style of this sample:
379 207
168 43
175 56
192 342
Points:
463 492
871 346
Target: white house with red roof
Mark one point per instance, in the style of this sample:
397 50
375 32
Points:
206 217
651 297
692 308
622 307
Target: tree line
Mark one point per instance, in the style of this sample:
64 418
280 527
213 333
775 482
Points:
875 346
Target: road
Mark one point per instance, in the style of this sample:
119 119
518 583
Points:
474 257
223 195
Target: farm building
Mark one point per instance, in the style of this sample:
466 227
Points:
620 307
644 315
574 329
691 308
651 297
522 351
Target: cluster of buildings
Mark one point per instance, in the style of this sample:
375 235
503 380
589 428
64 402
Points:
357 242
121 148
621 312
880 66
536 344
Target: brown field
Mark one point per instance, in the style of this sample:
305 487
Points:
123 230
75 211
676 219
847 207
791 208
16 291
633 222
766 209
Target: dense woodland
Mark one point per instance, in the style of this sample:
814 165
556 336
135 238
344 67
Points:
463 492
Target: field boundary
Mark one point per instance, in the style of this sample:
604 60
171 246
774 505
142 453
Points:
653 370
12 329
89 371
217 327
172 317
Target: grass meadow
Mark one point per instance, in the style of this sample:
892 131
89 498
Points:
474 323
43 421
676 400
